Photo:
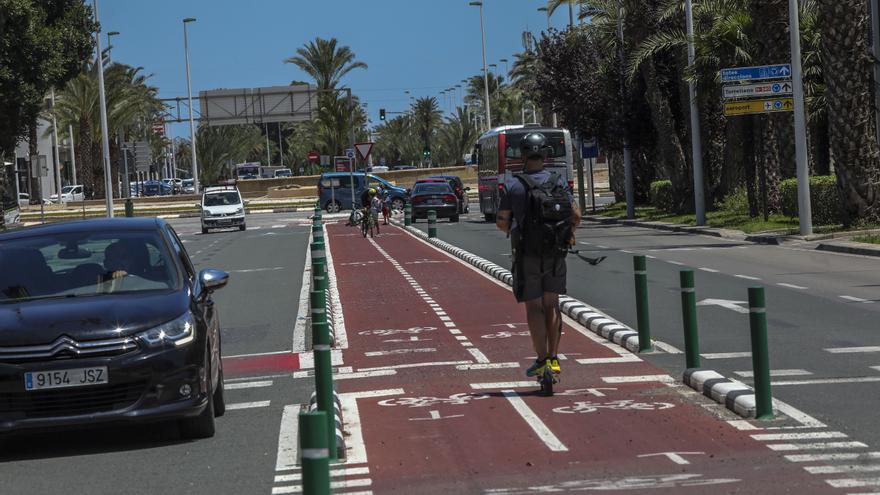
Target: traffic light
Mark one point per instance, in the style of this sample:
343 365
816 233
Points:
381 114
427 152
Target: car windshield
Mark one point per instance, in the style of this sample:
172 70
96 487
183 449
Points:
555 144
66 189
188 182
222 199
84 264
431 188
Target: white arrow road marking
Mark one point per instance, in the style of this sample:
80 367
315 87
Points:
436 415
725 303
675 457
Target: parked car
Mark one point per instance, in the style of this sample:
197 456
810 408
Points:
460 191
107 321
222 207
175 184
434 195
24 199
334 190
283 172
154 188
404 167
188 186
68 194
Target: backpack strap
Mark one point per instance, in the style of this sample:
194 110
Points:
527 180
553 180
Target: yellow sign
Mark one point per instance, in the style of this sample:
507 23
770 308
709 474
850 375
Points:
758 106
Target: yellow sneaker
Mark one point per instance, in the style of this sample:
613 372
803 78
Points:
553 363
537 368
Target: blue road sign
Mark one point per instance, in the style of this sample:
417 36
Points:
779 71
590 148
349 153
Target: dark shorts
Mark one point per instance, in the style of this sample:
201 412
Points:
535 275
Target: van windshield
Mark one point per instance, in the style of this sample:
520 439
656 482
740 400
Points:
222 199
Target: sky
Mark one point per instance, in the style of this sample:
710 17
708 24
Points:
423 46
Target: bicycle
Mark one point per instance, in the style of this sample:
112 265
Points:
547 379
368 222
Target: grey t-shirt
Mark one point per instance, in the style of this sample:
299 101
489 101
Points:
513 197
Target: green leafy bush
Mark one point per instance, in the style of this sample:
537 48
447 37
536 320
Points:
736 203
661 195
824 199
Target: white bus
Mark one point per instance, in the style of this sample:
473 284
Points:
498 157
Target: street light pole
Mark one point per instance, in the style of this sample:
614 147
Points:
696 137
102 101
627 156
109 45
72 157
192 127
55 149
485 66
800 122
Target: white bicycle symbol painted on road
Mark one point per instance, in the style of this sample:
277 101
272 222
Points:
505 335
453 400
615 405
387 332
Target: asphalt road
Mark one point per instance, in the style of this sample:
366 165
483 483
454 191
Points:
822 309
258 310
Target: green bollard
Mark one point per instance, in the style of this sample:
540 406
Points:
407 215
318 306
315 453
432 224
129 208
324 381
689 317
318 252
319 275
317 233
641 276
760 353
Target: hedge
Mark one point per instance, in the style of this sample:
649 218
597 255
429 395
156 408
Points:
824 199
661 195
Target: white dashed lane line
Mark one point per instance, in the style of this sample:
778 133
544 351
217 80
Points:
857 299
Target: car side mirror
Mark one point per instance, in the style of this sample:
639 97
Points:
467 188
198 206
211 280
247 202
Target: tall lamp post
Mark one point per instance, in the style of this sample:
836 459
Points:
506 67
109 45
192 126
696 137
102 101
627 156
485 67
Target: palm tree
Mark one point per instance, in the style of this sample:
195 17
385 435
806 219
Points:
552 5
426 118
221 146
326 62
456 138
844 30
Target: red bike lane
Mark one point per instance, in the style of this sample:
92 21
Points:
441 403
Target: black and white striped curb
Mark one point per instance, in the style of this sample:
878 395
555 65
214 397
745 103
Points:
337 408
734 395
586 315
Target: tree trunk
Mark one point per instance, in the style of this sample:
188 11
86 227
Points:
86 158
848 77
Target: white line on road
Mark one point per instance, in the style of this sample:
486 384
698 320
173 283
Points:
837 456
356 451
667 348
813 435
486 366
843 469
726 355
747 277
857 299
479 356
791 286
288 438
236 386
255 270
850 350
399 351
334 485
750 374
273 353
828 381
710 270
334 473
638 379
365 374
816 446
302 311
248 405
416 365
534 422
494 385
602 247
854 483
625 251
626 358
675 263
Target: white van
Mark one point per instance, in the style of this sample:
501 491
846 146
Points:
222 208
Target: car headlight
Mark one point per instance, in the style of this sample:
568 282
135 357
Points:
177 332
239 211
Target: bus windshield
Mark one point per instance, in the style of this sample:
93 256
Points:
555 143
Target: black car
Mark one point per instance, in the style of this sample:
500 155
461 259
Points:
107 321
460 191
437 196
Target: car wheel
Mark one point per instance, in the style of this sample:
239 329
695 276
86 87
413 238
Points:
204 230
220 397
453 218
333 207
397 204
242 227
201 426
490 217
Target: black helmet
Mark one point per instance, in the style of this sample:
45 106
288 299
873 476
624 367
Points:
532 145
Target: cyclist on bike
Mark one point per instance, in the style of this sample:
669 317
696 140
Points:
367 202
375 209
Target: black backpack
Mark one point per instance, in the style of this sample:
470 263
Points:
546 228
